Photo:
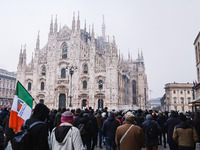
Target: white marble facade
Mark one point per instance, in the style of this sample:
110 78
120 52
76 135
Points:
96 58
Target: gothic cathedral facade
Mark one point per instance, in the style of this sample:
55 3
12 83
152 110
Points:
77 69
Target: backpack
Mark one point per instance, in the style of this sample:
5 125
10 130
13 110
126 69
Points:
21 140
81 128
152 131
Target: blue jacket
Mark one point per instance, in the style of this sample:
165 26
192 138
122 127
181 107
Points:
109 127
151 141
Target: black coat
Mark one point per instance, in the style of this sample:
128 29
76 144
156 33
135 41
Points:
109 127
169 125
38 135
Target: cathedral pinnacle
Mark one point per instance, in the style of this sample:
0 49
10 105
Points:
142 55
93 32
119 54
20 58
78 23
73 22
24 55
55 25
138 54
104 29
89 29
85 26
38 41
51 26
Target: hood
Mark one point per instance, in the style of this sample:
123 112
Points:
111 118
41 112
61 132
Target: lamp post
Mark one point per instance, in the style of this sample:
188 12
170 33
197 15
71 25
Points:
71 72
100 87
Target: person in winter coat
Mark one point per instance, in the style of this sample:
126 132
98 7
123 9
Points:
129 136
151 129
100 124
1 138
109 129
196 123
66 136
185 135
58 117
39 133
169 125
9 133
161 121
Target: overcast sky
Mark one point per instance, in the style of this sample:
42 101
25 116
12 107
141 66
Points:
164 29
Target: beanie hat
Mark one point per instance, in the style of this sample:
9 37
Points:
67 116
149 117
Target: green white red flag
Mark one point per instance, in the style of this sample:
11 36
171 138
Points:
21 107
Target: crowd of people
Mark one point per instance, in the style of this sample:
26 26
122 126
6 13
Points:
125 130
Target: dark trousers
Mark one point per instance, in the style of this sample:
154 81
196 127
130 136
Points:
173 145
110 144
164 139
100 136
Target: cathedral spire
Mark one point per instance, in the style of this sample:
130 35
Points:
85 26
38 41
24 56
114 47
55 26
138 54
78 23
119 54
93 33
73 22
108 51
103 29
60 27
20 58
142 55
51 26
89 29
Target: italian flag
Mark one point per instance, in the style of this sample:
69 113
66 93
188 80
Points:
21 107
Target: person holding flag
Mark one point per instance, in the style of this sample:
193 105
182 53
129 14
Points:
21 108
21 111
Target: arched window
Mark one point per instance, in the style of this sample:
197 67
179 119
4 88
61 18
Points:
43 70
100 84
42 86
64 51
189 100
182 100
174 100
85 69
63 73
84 84
29 86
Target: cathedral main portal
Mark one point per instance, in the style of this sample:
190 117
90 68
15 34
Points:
62 101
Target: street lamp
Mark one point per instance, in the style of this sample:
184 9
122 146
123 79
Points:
100 87
71 72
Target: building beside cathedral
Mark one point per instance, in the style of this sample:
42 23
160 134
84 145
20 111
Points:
7 87
178 97
101 77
